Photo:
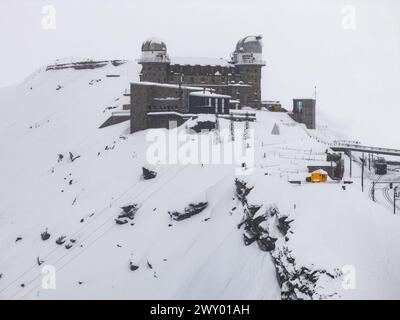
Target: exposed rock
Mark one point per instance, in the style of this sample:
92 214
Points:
189 211
148 174
242 190
264 228
45 235
72 157
61 240
284 225
120 222
133 267
128 212
203 126
39 262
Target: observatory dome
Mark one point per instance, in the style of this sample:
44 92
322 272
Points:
249 44
154 44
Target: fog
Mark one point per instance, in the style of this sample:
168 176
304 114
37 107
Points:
350 50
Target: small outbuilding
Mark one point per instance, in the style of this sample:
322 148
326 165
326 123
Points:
319 176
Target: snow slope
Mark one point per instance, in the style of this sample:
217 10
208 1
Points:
202 257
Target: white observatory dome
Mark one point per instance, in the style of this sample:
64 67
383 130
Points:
249 44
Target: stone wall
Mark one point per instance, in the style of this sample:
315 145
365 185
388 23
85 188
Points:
209 76
156 98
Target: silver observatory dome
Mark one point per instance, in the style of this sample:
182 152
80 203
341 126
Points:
154 44
249 44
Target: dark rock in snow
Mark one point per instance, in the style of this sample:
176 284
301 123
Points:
72 157
296 282
242 190
18 239
148 174
129 211
121 222
189 211
61 240
203 125
284 225
267 243
68 246
45 235
149 265
39 262
133 267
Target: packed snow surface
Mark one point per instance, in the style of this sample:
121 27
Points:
61 173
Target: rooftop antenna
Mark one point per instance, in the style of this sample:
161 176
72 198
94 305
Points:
315 92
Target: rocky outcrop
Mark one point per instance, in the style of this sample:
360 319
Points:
45 235
128 213
191 210
270 229
84 65
148 174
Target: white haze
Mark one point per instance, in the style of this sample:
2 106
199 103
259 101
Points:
357 72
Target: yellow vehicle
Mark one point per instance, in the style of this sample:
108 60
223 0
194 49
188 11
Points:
319 176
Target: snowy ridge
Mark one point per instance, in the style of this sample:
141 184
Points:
79 194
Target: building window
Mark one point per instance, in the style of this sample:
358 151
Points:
299 106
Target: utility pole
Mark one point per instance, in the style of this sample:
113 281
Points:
362 173
351 164
394 199
373 191
232 125
369 162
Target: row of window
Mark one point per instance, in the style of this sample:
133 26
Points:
164 108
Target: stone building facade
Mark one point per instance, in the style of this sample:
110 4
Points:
239 77
304 112
163 92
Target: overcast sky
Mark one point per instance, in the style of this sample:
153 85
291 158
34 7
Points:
349 49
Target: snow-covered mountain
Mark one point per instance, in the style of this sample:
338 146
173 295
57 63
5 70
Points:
259 237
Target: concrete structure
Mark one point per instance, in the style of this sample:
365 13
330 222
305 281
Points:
176 88
304 112
149 100
153 105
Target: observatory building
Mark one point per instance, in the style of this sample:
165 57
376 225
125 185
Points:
175 88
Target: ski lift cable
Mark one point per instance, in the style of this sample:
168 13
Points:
79 230
100 236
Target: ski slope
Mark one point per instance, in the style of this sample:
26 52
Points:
203 257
